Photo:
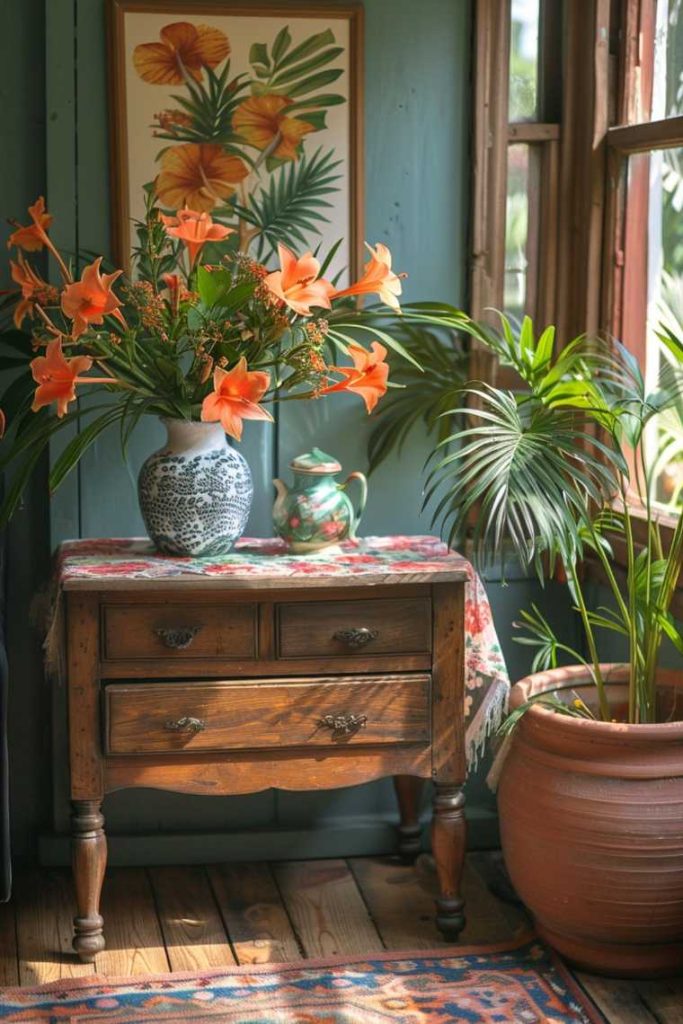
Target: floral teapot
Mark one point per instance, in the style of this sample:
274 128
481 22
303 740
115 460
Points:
316 511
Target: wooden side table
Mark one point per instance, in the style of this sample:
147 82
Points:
226 684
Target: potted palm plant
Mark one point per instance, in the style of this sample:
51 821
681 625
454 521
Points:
591 792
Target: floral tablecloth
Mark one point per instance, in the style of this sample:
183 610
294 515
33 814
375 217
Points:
486 680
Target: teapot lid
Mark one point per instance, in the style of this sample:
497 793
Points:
315 461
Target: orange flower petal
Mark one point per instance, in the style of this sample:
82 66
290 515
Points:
235 398
195 229
184 50
89 300
212 46
368 377
198 175
378 278
262 119
32 237
156 64
297 282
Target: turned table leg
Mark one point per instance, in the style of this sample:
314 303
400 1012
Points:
89 860
448 847
408 792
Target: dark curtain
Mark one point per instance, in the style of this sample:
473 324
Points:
5 856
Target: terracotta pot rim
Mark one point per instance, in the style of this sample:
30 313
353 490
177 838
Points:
576 675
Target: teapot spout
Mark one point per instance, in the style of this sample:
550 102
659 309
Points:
281 491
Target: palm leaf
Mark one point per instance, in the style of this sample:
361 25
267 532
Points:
426 394
290 207
532 471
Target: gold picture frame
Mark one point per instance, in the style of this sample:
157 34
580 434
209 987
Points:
252 143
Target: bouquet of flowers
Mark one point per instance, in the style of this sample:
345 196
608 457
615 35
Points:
200 332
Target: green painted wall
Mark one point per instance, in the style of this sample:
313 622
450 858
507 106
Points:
417 100
22 178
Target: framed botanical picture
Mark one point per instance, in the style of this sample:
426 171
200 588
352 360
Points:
250 113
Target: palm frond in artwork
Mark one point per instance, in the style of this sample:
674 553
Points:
292 206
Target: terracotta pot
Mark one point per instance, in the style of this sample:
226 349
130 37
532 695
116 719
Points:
591 818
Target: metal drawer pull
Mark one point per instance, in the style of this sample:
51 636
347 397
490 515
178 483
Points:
344 723
356 637
177 639
186 724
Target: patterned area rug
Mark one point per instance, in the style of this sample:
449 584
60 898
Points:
484 985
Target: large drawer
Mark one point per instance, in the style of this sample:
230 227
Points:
147 718
342 628
179 630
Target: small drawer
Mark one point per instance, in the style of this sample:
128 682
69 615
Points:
343 628
179 630
152 718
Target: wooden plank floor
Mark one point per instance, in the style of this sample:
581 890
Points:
191 918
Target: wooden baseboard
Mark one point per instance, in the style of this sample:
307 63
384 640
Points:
349 838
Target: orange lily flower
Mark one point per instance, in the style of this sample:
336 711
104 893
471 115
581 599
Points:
89 300
57 377
235 397
195 229
378 278
3 424
297 282
198 175
367 377
260 120
31 286
33 237
184 50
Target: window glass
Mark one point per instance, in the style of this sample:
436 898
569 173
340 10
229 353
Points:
523 85
665 307
667 73
521 229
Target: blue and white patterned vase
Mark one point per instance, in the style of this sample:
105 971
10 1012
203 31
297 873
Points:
196 492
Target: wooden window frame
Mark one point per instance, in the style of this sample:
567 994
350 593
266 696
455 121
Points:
572 115
625 255
590 141
623 284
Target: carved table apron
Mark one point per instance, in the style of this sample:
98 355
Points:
236 682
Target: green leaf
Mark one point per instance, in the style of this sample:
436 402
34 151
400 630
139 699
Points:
378 335
212 284
672 343
317 81
237 296
293 73
310 45
258 54
290 208
79 444
282 43
325 265
316 118
323 99
670 629
544 348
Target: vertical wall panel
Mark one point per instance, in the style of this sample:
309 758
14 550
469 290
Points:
417 179
62 192
26 540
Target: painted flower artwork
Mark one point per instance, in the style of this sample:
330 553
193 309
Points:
245 118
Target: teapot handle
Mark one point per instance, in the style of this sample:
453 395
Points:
363 497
